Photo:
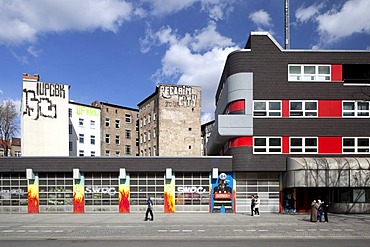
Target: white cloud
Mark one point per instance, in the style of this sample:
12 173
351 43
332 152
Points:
22 21
32 50
165 7
352 18
305 14
261 18
190 61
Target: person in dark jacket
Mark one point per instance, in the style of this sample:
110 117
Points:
325 207
149 210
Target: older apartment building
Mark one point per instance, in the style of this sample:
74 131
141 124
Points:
169 122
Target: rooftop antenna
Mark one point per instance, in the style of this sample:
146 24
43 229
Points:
287 24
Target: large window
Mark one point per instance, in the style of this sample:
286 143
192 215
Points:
302 108
266 108
264 145
81 138
356 109
143 185
192 192
356 144
309 72
13 193
101 192
127 118
56 192
303 145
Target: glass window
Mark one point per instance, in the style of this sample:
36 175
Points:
303 108
117 140
80 153
303 144
309 72
70 129
127 118
107 138
81 122
92 140
267 145
128 149
107 122
118 123
267 108
356 109
81 138
92 124
69 112
128 134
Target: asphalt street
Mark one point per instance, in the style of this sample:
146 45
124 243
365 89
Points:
181 226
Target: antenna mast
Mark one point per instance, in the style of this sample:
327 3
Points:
287 34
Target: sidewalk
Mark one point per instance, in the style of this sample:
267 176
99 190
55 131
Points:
179 225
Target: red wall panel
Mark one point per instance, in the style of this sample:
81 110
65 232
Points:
285 143
241 141
336 73
330 108
330 145
236 106
285 108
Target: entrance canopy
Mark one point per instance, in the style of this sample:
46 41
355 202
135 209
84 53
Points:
327 172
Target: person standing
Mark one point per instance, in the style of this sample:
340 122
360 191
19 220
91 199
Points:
257 206
314 207
253 203
149 210
325 209
319 210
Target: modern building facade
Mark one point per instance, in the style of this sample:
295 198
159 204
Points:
169 122
297 125
84 130
119 133
44 117
206 131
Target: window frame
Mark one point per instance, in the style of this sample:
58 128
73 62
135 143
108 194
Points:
267 109
356 146
303 147
303 110
267 147
355 112
302 76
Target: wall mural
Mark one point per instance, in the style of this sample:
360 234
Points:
223 194
38 103
33 195
169 194
124 195
79 195
186 96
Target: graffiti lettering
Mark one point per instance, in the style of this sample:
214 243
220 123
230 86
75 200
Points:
50 89
193 189
88 111
12 192
97 189
35 108
185 94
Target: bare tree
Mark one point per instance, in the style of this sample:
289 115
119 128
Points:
9 126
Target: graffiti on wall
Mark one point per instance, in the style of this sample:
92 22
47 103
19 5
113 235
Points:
38 103
186 96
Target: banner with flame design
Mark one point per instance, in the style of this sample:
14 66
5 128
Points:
33 195
223 194
169 194
124 195
79 195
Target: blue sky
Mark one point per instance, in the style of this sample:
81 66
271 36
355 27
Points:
116 51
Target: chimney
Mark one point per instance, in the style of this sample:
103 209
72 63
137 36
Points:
27 77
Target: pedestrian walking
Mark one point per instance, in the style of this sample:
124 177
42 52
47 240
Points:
149 210
319 210
253 204
314 207
257 206
325 210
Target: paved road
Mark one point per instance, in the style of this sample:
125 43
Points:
180 226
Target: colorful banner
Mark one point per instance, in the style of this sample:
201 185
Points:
223 194
79 195
33 195
169 194
124 195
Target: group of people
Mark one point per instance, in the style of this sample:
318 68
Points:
255 205
318 209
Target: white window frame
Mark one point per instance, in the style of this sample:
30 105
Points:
92 140
356 148
92 124
117 123
117 140
107 122
305 113
303 147
128 118
309 77
81 153
81 122
128 134
128 149
107 138
267 110
355 113
81 138
267 147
